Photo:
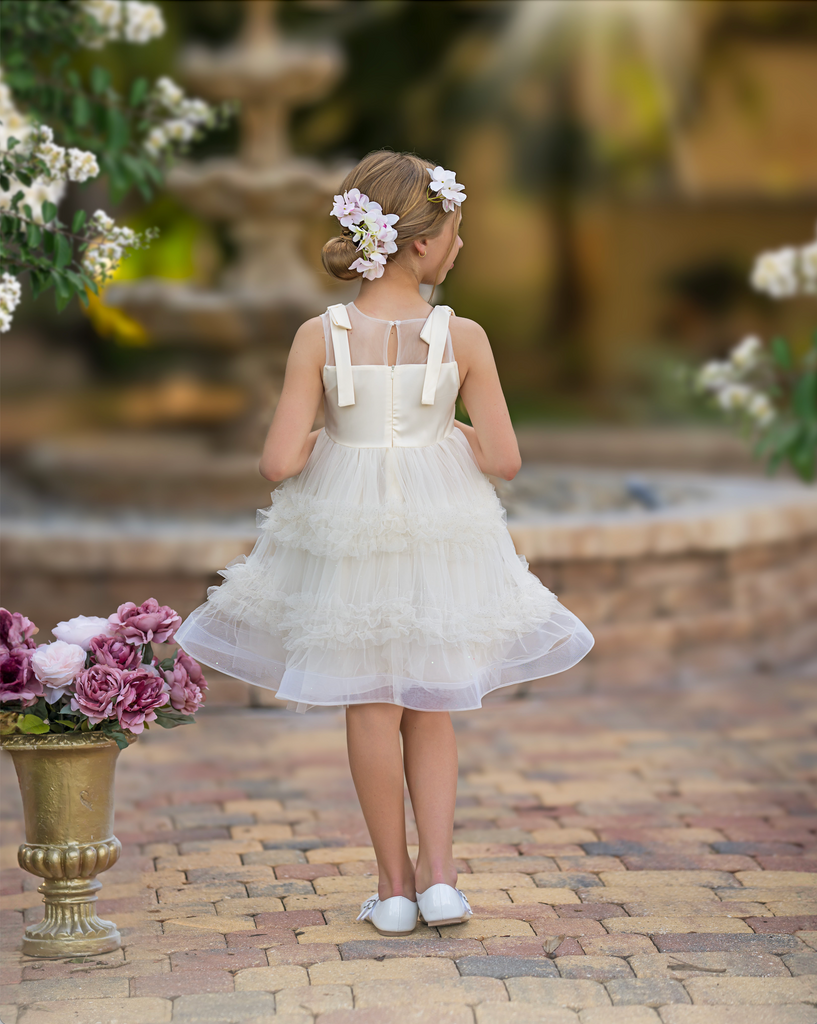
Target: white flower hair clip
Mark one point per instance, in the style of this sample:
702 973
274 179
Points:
449 191
372 231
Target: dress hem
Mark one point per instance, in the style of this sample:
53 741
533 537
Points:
583 640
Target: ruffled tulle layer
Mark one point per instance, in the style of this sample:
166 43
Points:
387 575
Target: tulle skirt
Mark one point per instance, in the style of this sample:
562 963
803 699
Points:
384 575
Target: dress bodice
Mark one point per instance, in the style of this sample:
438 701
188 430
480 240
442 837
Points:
375 405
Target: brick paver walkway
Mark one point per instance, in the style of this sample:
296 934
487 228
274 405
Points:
631 858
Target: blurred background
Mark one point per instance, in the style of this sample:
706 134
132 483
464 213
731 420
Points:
624 160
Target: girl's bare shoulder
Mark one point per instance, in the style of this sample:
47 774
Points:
309 338
467 336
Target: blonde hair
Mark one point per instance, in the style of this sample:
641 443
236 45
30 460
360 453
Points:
399 182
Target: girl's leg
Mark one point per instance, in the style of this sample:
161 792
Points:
430 757
373 739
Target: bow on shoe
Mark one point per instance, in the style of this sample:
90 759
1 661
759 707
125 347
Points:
465 904
367 908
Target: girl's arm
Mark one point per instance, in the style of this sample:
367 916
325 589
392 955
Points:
290 439
491 437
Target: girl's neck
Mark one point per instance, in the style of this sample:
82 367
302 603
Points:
394 295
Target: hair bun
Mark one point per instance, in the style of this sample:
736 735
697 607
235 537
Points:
336 256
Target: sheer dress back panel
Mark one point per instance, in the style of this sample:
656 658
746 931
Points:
369 340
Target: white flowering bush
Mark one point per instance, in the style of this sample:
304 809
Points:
127 138
771 391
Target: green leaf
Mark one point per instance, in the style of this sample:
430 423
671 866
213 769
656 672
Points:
145 190
24 178
100 80
170 719
49 211
5 184
118 130
166 664
78 223
804 396
31 724
781 353
81 109
48 241
138 91
147 654
779 436
15 199
64 253
34 235
76 280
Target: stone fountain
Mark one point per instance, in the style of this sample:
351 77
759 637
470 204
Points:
265 196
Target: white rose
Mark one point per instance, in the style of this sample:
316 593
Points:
81 630
57 665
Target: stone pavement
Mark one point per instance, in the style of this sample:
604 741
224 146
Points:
631 858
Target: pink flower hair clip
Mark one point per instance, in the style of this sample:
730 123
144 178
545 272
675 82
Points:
372 231
448 190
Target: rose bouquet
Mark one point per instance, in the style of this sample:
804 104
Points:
100 674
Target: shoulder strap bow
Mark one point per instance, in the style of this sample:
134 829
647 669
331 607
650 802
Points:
434 333
341 325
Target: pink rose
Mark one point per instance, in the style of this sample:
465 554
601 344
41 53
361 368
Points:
58 665
186 684
110 650
144 690
17 679
82 629
97 691
16 630
147 622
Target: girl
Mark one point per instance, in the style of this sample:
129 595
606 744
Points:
385 579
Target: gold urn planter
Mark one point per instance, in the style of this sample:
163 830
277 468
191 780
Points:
67 785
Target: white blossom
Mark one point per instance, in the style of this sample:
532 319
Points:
108 15
775 273
715 375
735 396
143 22
104 255
82 165
195 110
156 141
103 221
10 292
15 125
760 408
128 20
168 93
746 355
178 130
187 116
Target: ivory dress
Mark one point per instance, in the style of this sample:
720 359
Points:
384 571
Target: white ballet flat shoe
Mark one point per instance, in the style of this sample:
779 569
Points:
394 916
443 904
